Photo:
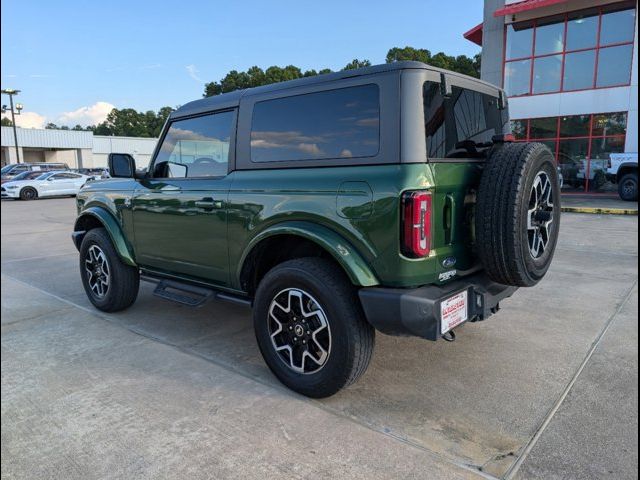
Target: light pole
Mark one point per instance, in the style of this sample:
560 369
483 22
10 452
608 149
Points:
11 92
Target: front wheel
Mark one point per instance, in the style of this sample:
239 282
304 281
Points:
310 327
28 193
110 284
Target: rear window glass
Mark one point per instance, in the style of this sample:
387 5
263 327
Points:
465 115
342 123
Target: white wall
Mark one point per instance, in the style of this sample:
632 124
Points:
601 100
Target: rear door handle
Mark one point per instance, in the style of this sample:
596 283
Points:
208 203
450 220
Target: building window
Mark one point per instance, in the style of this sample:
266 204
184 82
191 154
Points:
575 51
581 145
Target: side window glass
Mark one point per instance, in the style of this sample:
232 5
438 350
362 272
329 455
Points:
434 120
464 116
340 123
196 147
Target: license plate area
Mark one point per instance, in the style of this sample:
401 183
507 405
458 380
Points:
454 311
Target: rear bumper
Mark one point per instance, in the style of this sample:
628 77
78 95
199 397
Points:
416 312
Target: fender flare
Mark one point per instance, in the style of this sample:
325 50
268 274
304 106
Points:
356 268
112 227
625 166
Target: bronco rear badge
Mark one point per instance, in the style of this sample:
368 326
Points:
444 276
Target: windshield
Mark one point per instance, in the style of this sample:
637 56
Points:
6 169
461 122
42 176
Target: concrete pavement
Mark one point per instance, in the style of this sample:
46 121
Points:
161 389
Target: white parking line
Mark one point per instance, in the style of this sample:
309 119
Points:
549 417
39 258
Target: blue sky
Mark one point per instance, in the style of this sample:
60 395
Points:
73 60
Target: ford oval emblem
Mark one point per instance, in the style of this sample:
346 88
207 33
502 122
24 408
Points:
449 262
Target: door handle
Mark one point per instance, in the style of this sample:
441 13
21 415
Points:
450 220
208 203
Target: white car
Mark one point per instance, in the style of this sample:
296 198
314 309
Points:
48 184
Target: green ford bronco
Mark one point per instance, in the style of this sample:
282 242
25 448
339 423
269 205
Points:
389 198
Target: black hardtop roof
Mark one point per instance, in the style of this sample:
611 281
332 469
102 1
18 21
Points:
232 99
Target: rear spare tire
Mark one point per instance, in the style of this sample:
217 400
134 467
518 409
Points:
518 213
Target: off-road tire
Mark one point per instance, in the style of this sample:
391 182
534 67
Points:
502 241
28 193
124 279
628 187
352 338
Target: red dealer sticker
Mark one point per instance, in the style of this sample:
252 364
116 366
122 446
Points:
453 312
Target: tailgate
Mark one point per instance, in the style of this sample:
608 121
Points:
453 215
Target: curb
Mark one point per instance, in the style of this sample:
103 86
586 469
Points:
601 211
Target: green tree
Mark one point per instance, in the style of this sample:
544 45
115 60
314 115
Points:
255 77
355 63
408 53
131 123
51 126
6 122
461 63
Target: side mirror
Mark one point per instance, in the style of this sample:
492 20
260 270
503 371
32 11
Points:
122 165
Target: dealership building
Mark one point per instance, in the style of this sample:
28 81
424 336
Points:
570 69
75 148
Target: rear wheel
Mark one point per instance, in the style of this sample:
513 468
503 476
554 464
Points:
110 284
628 187
28 193
518 214
310 327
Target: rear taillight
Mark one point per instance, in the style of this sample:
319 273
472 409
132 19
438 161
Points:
416 224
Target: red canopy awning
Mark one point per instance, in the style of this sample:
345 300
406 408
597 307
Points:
524 6
474 35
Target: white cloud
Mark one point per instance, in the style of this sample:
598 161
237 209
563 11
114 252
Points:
29 120
84 116
193 71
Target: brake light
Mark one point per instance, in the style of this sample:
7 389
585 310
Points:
416 224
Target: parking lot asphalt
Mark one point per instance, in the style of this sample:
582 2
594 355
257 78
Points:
545 389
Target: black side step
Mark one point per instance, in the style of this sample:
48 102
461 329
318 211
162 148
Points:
182 293
189 294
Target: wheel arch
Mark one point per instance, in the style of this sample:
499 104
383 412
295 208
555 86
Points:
626 168
97 217
295 240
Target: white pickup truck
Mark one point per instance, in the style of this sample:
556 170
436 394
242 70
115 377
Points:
623 169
